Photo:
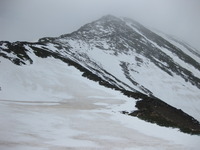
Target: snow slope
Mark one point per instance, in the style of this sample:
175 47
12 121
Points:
135 59
46 104
121 52
172 89
51 106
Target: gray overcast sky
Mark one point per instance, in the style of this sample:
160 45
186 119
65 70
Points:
29 20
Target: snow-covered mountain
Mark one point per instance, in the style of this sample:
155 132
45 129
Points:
161 73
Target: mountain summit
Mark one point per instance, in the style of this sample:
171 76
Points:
160 72
125 36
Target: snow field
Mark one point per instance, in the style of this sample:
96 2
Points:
49 105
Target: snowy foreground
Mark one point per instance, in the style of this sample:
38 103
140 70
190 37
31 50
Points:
50 106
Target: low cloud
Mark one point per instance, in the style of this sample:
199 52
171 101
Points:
30 20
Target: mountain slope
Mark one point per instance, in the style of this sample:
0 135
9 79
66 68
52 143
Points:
123 55
49 105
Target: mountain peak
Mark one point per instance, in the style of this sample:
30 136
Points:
105 27
109 18
105 22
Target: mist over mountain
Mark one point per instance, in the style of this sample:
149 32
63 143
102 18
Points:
158 72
